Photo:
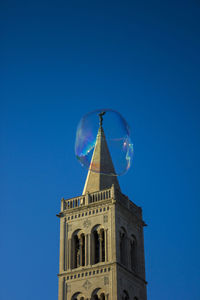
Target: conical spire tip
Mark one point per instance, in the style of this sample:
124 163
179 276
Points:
101 114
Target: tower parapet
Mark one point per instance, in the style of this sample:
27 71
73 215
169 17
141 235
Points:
79 202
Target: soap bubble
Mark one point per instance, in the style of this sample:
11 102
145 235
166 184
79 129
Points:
117 134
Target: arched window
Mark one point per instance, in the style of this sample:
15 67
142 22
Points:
133 254
98 244
78 249
102 296
103 245
125 295
96 247
76 252
98 294
122 246
82 249
78 296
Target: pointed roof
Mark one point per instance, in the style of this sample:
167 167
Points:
101 165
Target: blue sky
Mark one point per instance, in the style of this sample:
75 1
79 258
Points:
62 59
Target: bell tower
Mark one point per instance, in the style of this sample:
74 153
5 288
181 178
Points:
101 237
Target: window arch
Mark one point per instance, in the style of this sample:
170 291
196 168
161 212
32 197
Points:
133 253
78 249
98 294
82 250
98 244
102 296
125 295
101 245
96 247
123 246
78 296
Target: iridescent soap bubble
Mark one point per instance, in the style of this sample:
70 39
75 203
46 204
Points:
117 133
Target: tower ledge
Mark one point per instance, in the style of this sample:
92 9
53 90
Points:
90 199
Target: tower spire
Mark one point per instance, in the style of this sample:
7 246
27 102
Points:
101 174
101 114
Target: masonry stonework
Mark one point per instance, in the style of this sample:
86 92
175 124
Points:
101 239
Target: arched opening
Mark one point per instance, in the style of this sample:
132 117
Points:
76 252
75 296
78 249
122 246
98 294
103 245
133 254
78 296
98 247
125 295
82 250
102 296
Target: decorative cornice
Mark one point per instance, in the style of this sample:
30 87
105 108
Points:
87 268
84 208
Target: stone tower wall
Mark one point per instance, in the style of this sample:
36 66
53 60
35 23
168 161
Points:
111 212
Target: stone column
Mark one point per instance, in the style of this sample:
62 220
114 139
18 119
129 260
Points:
61 290
65 245
64 239
70 254
62 204
81 252
86 249
113 191
100 248
87 198
92 249
89 249
64 289
67 254
106 244
62 244
128 261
